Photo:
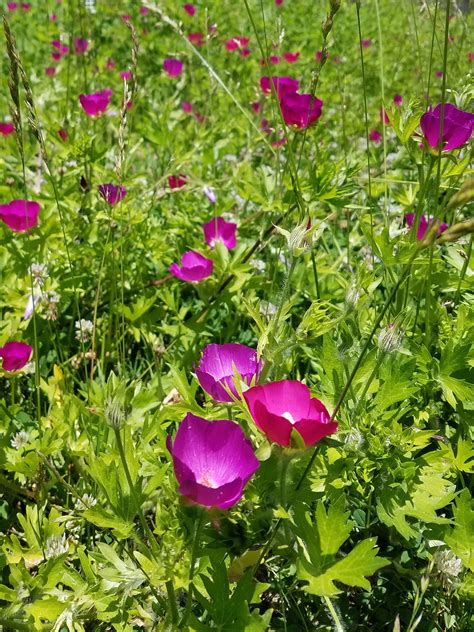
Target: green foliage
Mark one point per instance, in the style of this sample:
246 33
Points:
319 543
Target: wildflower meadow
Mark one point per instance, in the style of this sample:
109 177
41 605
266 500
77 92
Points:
236 315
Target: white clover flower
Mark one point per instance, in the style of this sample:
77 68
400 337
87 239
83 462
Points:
20 440
448 566
258 264
39 272
56 545
85 502
84 329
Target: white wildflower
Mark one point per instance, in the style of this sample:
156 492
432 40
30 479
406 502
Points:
56 545
84 329
20 440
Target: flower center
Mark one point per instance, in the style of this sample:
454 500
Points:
289 417
207 480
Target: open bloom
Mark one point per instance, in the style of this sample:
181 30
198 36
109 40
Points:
280 407
80 45
301 110
213 461
423 225
176 182
6 129
457 127
173 67
20 215
375 136
112 193
190 9
283 85
15 355
291 58
194 267
218 229
95 103
196 38
236 43
219 364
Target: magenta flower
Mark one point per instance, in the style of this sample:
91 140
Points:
112 193
6 129
11 6
213 461
457 127
274 59
20 215
194 267
291 58
190 9
196 38
218 229
218 365
439 73
80 45
178 181
398 99
173 67
236 43
63 135
95 103
25 6
283 85
144 10
50 71
15 355
301 110
278 3
375 136
384 116
279 407
423 225
110 65
125 75
319 55
366 43
187 107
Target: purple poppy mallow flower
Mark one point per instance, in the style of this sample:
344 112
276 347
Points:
283 85
278 408
15 355
6 129
190 9
375 136
194 267
398 100
217 229
112 193
95 103
20 215
300 110
423 225
218 366
457 127
212 460
80 45
173 67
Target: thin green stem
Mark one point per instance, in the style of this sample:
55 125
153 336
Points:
464 270
194 556
334 615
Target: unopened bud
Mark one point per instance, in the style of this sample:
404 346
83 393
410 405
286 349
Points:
390 338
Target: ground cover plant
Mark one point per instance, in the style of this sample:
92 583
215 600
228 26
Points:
237 317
